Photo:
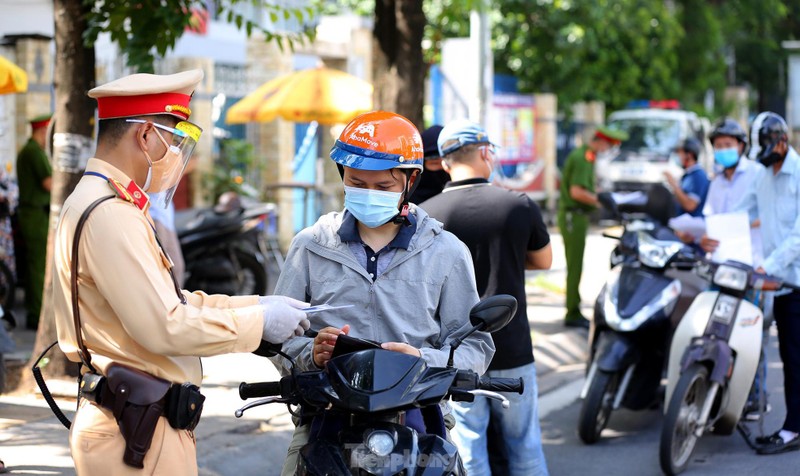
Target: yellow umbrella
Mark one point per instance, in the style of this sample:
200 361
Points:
12 78
320 94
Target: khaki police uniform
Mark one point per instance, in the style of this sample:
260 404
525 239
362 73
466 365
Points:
132 315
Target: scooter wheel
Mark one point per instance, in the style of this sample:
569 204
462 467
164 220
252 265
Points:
597 406
678 437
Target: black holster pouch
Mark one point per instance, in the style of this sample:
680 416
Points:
184 406
137 400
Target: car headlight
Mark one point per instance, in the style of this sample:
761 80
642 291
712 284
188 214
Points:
656 253
380 442
731 277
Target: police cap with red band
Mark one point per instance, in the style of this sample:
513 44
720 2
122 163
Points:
611 135
40 121
144 94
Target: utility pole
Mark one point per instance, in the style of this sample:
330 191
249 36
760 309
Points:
479 33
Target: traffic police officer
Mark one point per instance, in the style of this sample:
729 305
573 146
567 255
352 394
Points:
34 178
577 200
131 313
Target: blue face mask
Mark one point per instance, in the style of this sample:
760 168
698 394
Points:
726 157
373 208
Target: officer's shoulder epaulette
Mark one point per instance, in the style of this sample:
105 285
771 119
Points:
120 191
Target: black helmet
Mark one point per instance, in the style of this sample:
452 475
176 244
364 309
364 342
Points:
772 131
690 145
430 149
728 127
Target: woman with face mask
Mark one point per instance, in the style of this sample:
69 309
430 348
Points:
410 283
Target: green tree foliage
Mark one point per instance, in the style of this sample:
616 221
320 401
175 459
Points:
608 50
754 29
702 63
140 28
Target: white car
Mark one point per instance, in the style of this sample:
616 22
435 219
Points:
650 148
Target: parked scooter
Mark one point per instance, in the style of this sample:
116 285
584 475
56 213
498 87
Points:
225 248
649 288
713 360
368 392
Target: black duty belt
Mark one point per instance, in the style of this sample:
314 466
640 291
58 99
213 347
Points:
181 404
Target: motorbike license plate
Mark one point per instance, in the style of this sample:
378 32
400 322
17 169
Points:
724 309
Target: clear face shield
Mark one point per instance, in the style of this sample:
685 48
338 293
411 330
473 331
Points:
166 172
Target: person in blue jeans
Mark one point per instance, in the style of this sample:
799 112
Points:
506 235
691 192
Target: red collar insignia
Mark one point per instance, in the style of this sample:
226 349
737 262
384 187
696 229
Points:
140 199
590 155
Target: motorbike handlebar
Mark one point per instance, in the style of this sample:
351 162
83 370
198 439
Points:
500 384
258 390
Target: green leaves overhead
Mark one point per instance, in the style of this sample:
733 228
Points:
618 50
608 50
149 28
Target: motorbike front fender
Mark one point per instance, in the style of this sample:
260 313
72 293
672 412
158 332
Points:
714 354
322 457
615 352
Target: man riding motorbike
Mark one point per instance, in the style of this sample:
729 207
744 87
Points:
409 282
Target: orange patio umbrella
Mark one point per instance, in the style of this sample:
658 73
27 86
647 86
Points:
321 94
13 79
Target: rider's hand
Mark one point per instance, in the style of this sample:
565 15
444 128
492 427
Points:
324 342
671 180
282 318
403 348
766 283
709 245
685 236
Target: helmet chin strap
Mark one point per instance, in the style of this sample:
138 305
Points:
402 217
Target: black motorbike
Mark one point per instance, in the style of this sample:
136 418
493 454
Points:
225 248
366 405
650 286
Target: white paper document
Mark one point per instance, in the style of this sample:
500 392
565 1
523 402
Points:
633 198
695 226
324 307
732 230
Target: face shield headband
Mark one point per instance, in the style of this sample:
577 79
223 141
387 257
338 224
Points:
164 174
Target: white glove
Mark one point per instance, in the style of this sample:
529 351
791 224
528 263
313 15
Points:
283 318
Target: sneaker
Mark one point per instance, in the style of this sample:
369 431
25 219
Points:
752 411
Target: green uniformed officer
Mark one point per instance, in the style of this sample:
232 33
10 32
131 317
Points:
34 174
577 200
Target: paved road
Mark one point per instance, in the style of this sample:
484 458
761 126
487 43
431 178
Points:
629 445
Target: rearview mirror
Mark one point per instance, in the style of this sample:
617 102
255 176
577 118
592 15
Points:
493 313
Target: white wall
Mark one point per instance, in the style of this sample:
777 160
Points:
26 17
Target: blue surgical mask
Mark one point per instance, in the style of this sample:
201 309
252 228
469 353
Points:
373 208
726 157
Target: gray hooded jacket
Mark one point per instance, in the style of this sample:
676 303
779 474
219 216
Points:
423 298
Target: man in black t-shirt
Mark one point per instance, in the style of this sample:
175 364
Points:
506 235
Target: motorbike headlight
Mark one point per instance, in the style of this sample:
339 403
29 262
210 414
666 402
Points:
380 442
731 277
656 253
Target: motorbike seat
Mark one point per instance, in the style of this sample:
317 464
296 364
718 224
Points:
192 221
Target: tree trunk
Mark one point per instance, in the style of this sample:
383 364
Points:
398 67
72 146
